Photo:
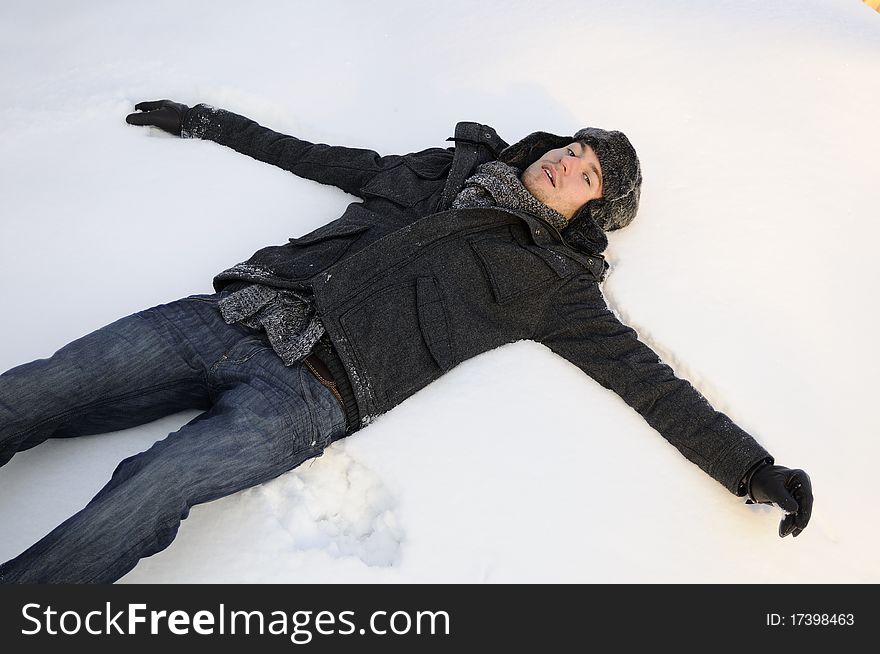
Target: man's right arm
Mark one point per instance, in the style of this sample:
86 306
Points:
579 326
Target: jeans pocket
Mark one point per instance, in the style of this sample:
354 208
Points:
242 351
208 298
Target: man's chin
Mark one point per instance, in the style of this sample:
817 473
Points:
532 186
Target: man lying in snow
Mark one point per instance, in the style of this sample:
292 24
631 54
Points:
450 253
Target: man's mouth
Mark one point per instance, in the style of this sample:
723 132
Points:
550 175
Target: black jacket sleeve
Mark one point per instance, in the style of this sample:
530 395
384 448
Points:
578 326
347 168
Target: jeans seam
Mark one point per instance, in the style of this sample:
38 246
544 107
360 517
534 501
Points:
103 401
313 416
251 481
200 299
202 369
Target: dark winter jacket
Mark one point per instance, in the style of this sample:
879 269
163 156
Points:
408 288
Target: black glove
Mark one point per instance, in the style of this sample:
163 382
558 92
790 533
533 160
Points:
164 114
789 489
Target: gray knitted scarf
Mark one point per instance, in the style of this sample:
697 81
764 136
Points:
497 184
288 318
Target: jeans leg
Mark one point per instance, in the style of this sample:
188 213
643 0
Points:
267 419
132 371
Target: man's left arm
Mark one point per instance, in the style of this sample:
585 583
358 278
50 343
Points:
579 326
349 169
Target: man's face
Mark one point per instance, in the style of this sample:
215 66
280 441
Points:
566 178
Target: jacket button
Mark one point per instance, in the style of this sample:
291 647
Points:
537 231
590 261
487 135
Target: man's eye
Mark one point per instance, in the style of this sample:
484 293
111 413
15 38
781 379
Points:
586 177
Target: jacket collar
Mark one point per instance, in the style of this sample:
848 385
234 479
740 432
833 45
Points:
546 236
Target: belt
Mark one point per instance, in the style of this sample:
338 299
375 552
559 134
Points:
324 364
322 373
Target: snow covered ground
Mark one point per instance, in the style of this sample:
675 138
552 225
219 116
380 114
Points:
751 269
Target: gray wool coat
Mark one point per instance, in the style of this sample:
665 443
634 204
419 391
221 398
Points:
408 288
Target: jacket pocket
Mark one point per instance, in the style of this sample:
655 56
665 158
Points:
320 249
512 270
408 183
400 338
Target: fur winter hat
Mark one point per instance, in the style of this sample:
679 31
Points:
621 173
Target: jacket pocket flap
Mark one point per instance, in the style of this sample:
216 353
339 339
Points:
433 321
402 185
512 269
432 163
335 229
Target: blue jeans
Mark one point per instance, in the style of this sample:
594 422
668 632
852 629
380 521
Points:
261 419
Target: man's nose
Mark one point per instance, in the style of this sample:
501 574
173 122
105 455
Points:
568 164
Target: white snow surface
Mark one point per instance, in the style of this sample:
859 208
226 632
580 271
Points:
751 269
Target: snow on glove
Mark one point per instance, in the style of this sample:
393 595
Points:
164 114
789 489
